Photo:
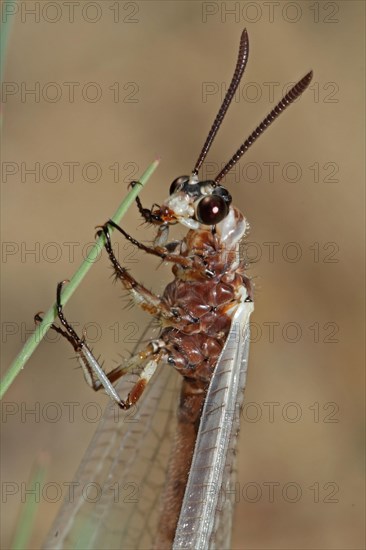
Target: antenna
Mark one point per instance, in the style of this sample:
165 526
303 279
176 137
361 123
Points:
238 73
289 98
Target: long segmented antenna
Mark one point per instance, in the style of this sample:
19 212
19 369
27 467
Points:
289 98
238 73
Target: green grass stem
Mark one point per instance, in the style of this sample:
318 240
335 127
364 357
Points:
70 288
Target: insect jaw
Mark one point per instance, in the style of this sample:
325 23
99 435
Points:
177 208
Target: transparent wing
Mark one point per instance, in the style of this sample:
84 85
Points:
117 486
115 503
206 514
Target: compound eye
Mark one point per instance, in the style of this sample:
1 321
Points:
177 183
224 193
211 210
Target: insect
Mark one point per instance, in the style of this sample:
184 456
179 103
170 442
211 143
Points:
204 315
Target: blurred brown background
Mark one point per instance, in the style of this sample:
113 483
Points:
159 68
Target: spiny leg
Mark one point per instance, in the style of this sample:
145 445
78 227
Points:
154 218
94 373
160 251
135 364
148 214
143 297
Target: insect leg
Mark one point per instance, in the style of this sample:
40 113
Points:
147 213
142 296
94 373
160 251
135 364
155 219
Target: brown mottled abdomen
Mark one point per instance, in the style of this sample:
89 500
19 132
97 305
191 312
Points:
205 323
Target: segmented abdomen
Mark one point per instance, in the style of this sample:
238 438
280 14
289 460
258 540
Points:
204 312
